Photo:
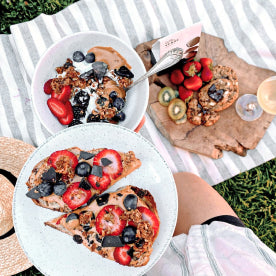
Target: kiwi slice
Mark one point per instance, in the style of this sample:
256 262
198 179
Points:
177 109
176 93
181 120
165 95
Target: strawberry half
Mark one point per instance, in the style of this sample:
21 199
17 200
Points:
184 93
57 107
121 255
108 222
64 94
70 115
47 87
99 183
176 77
62 157
111 162
150 217
75 196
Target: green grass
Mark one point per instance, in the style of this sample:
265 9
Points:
251 194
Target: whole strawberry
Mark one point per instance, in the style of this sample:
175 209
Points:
206 62
206 74
191 68
176 77
184 93
193 83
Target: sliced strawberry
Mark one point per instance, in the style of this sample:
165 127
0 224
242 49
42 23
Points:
193 83
150 217
47 87
131 223
70 115
108 222
64 94
176 77
206 62
63 216
111 162
63 157
184 93
206 74
75 196
121 255
99 183
57 107
191 68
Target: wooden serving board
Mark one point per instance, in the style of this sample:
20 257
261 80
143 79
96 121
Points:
230 133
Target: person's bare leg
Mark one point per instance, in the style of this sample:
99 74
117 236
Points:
197 202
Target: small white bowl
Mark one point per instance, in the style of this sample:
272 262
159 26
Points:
56 55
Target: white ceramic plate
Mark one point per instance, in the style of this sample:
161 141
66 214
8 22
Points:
56 55
55 253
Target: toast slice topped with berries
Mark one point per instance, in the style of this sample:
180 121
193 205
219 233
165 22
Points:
120 226
72 178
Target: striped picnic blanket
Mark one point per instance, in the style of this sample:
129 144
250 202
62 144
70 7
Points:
247 27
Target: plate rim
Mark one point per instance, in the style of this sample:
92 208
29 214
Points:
60 133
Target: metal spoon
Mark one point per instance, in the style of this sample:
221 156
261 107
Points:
167 60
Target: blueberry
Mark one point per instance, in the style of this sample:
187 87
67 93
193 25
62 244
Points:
124 72
90 57
113 95
103 199
45 188
59 188
93 118
130 202
119 117
77 239
83 169
119 103
129 234
78 56
72 216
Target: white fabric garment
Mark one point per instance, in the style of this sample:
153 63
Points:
216 249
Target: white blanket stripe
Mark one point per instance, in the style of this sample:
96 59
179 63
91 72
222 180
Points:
14 97
230 19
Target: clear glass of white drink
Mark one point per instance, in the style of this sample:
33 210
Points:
250 107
